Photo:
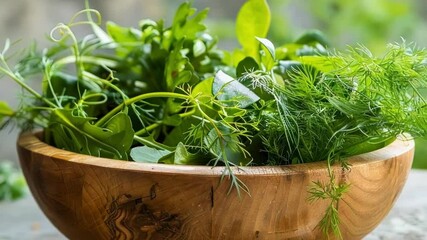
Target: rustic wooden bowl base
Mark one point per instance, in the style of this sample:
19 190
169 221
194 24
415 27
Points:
94 198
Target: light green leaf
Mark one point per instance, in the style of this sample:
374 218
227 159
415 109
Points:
253 20
232 92
203 88
199 48
185 25
6 46
320 62
146 154
176 72
123 34
5 110
269 46
268 56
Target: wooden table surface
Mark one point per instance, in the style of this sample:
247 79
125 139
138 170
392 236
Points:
23 219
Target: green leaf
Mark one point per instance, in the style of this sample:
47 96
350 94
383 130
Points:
253 20
176 135
269 46
312 37
320 62
176 67
232 92
6 47
173 120
185 25
203 88
199 48
247 64
269 57
368 145
77 134
203 92
5 110
123 34
224 145
146 154
182 156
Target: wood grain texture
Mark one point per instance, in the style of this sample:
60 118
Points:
94 198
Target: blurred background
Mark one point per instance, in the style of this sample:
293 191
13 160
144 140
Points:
373 23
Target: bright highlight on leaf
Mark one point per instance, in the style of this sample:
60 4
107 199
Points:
231 92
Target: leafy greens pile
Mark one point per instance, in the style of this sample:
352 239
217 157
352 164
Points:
168 95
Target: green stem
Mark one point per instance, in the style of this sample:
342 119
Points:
141 97
26 87
151 143
158 124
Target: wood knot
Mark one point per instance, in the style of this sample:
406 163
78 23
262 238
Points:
130 218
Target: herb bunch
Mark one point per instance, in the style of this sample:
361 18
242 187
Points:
158 94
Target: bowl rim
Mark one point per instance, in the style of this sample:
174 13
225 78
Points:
31 141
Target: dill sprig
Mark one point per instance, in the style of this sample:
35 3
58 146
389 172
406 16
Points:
339 105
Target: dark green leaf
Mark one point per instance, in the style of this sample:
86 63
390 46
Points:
247 64
312 37
224 145
174 120
77 134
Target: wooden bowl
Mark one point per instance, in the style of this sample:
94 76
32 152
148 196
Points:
94 198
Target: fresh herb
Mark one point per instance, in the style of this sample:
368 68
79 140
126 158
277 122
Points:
168 95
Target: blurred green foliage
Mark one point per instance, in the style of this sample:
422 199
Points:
348 22
12 182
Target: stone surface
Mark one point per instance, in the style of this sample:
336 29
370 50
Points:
23 219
